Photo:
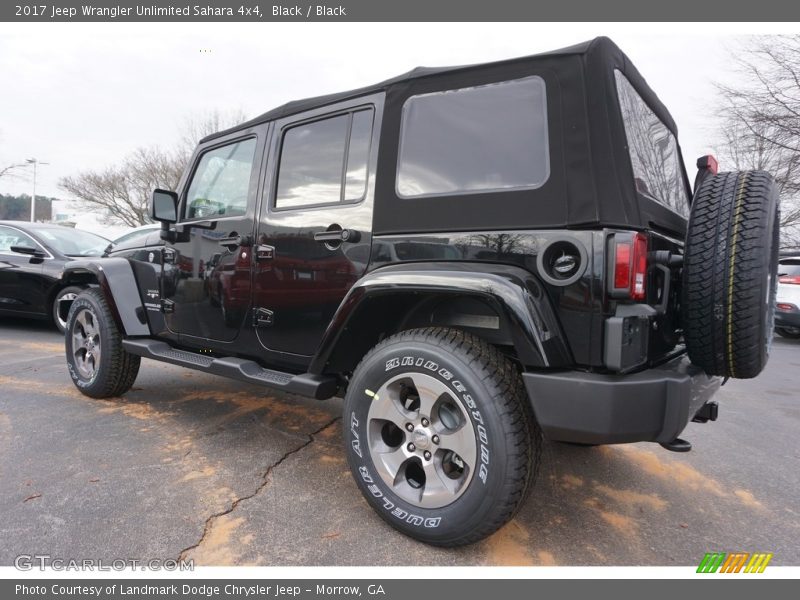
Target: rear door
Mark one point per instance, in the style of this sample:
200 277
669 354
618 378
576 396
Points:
315 228
664 202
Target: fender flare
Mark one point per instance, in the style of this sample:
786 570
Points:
117 282
514 293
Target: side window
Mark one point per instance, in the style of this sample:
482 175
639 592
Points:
486 138
325 161
11 237
221 182
653 149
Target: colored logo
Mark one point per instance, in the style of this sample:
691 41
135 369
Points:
734 562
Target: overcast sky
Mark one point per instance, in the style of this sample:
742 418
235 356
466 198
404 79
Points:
81 96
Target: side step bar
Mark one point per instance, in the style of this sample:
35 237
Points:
320 387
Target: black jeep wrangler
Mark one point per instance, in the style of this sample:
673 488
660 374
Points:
474 257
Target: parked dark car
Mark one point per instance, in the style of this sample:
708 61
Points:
473 257
32 259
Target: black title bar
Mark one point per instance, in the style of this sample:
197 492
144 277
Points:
402 10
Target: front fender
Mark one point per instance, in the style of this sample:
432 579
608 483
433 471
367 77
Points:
118 283
514 293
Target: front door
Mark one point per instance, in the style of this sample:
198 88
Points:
205 283
315 229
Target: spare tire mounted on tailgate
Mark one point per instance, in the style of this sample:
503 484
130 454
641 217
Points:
729 274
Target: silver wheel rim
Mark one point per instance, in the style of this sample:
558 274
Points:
86 343
421 440
68 297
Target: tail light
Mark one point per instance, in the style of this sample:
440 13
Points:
790 279
629 260
786 307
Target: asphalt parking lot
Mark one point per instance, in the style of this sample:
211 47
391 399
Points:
225 473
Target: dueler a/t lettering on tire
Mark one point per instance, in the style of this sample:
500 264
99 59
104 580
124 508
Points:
97 363
439 435
729 273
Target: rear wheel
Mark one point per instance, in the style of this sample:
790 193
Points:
98 364
440 437
729 274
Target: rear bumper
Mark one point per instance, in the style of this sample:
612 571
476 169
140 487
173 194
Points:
787 318
654 405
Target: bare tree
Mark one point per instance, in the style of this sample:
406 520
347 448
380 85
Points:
760 126
121 193
197 127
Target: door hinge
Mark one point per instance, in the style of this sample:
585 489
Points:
168 256
167 306
262 317
265 252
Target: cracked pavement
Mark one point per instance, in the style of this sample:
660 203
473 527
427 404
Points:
198 467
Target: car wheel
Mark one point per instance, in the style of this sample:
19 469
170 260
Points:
98 364
730 274
440 435
68 294
793 333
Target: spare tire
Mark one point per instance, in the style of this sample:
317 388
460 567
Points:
730 273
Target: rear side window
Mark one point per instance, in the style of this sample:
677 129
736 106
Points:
478 139
653 150
325 162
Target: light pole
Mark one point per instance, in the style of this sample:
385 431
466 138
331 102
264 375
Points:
34 162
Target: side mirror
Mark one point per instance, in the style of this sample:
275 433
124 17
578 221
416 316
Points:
29 250
164 207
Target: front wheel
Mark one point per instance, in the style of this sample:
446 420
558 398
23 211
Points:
98 364
439 434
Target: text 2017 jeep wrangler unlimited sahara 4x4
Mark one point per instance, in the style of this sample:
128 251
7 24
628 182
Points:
472 256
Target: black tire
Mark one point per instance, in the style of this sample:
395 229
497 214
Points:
789 333
115 371
68 293
730 274
491 396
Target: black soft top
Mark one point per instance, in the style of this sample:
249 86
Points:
601 47
591 181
